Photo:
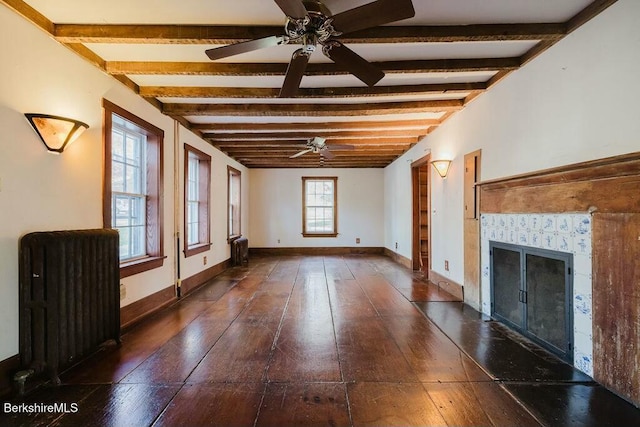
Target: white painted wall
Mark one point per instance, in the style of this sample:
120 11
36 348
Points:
276 208
40 191
575 102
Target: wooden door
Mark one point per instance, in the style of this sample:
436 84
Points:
421 206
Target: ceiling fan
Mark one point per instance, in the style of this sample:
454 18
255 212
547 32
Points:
318 145
309 22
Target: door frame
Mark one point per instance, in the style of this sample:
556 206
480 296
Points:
415 207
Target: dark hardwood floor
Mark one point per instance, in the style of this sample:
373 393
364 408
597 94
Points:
316 340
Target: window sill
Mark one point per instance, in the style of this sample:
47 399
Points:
319 234
196 249
130 268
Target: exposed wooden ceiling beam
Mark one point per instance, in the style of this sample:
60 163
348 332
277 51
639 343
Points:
312 109
335 152
291 163
30 14
280 127
316 69
402 142
586 14
329 92
221 34
346 134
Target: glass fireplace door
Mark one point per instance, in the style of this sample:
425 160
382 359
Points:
531 291
507 285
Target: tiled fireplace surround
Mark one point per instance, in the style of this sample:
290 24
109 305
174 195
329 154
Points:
567 232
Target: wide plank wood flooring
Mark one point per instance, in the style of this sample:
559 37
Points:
294 340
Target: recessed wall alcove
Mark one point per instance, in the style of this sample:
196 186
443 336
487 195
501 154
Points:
590 210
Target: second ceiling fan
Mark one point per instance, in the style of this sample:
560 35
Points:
309 22
318 145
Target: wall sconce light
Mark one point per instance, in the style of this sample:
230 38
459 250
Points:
442 166
54 131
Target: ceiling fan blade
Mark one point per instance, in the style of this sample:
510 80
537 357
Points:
341 147
373 14
326 153
308 150
295 71
292 8
243 47
352 62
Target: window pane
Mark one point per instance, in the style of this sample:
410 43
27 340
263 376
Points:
117 145
117 176
138 247
124 243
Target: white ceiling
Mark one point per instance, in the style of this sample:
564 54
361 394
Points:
264 12
250 13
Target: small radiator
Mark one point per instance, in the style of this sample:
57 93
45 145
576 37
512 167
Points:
69 297
240 251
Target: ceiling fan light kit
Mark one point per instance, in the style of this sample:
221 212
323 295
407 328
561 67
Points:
310 22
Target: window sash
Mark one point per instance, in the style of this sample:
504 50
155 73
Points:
193 201
234 202
197 176
129 189
319 210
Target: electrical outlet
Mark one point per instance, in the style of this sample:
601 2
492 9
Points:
357 240
204 260
123 291
446 265
278 240
396 245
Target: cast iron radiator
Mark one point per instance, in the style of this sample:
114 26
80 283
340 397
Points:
240 251
69 297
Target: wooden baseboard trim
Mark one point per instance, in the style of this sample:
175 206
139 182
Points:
316 251
402 260
8 367
447 284
192 283
139 310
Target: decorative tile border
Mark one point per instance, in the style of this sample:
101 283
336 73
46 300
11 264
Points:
569 233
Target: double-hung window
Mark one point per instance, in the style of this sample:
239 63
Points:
197 172
320 207
233 202
132 198
128 179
